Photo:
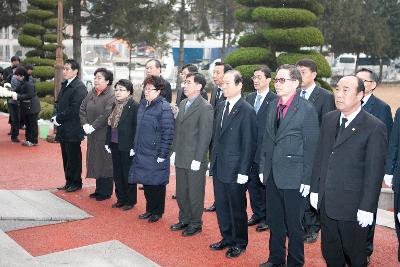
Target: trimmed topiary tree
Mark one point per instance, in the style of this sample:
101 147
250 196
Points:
281 30
39 33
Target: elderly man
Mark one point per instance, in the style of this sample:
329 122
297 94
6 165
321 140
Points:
347 176
287 155
153 67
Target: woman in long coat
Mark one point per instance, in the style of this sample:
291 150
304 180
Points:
94 112
154 134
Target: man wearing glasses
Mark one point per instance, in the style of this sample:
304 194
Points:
260 100
286 160
382 111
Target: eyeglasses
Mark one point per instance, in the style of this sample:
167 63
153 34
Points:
120 90
259 77
282 80
368 81
150 88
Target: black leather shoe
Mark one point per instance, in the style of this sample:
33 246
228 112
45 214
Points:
270 264
15 140
173 196
189 231
261 227
141 188
154 217
310 238
73 188
211 208
145 215
234 252
253 221
117 205
101 197
127 207
218 246
93 195
63 187
178 226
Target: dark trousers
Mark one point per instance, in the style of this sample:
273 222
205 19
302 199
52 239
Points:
230 202
342 241
257 194
155 198
126 193
190 188
311 218
72 162
370 237
31 130
104 186
286 211
396 222
13 110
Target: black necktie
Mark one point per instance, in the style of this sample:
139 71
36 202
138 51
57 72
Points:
226 114
218 93
342 127
279 115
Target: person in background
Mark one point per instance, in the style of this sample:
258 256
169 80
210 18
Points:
185 70
153 67
2 76
13 107
8 72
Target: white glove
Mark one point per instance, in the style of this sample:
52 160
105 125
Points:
314 200
159 160
261 176
54 121
388 179
195 166
398 216
172 159
242 179
107 149
132 153
14 96
304 190
364 218
88 128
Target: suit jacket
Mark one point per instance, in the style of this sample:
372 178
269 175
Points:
289 153
126 126
193 132
393 157
261 118
381 110
27 97
213 99
349 170
322 100
234 144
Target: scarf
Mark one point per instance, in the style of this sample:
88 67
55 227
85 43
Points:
115 115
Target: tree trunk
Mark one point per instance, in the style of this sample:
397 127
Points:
380 69
130 61
357 57
223 32
181 43
76 32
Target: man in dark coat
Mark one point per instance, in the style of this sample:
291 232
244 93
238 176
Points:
69 131
347 177
15 61
260 100
153 67
323 102
185 70
234 144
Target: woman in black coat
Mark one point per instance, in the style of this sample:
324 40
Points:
154 133
119 142
30 106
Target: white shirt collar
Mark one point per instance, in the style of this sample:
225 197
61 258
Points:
365 99
70 80
232 102
350 117
309 90
263 94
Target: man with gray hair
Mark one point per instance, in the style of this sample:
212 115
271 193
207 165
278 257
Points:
286 160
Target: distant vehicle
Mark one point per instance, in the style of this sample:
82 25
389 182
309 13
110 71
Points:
87 77
345 64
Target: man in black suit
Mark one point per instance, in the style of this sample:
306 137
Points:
260 101
347 176
286 159
217 96
231 158
185 70
153 67
382 111
69 130
323 102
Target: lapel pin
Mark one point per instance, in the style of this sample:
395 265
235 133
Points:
353 129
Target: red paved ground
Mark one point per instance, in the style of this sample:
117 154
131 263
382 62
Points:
40 168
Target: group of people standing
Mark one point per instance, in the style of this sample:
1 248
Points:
310 160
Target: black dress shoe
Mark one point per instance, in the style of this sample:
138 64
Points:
270 264
63 187
127 207
218 246
154 217
253 221
73 188
261 227
211 208
310 238
101 197
145 215
93 195
178 226
117 205
234 252
190 230
173 196
141 188
15 140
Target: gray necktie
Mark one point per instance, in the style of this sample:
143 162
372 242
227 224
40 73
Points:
187 106
257 105
303 94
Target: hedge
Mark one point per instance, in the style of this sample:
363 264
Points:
29 41
52 55
37 61
247 72
249 55
33 29
50 38
49 99
46 110
44 88
34 53
244 14
43 72
45 4
50 47
39 14
312 5
323 66
324 84
295 37
284 17
253 40
51 23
